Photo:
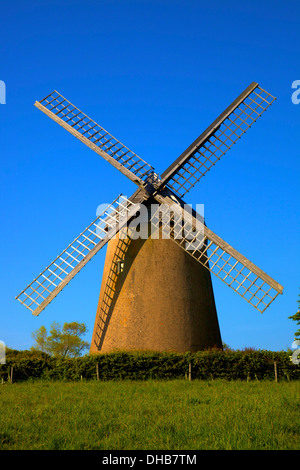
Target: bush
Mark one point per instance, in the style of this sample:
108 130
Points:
140 365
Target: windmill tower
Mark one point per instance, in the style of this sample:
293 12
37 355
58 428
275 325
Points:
156 290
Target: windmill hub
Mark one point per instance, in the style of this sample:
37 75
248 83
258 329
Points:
152 183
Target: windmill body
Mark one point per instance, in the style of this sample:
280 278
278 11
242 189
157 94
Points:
161 299
156 290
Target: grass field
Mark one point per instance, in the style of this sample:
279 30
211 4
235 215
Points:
170 415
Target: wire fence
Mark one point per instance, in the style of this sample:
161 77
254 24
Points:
205 365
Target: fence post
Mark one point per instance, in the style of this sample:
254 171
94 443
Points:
11 374
275 370
190 371
97 370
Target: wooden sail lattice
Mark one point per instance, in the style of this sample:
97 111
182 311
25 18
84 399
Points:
58 108
217 140
41 291
189 231
246 279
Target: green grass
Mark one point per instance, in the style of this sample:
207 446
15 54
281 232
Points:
170 415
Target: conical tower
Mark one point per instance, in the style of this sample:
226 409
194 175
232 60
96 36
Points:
154 296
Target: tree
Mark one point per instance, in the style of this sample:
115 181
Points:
40 337
62 341
296 318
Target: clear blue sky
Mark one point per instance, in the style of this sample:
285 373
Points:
155 74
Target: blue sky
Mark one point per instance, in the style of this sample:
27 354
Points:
155 74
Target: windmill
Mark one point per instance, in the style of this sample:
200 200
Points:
156 292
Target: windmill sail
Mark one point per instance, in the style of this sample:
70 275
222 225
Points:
42 290
218 138
94 136
239 273
249 281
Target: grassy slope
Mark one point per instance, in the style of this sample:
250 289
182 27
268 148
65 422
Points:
171 415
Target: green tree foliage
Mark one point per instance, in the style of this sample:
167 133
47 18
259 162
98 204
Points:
63 341
40 337
296 318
